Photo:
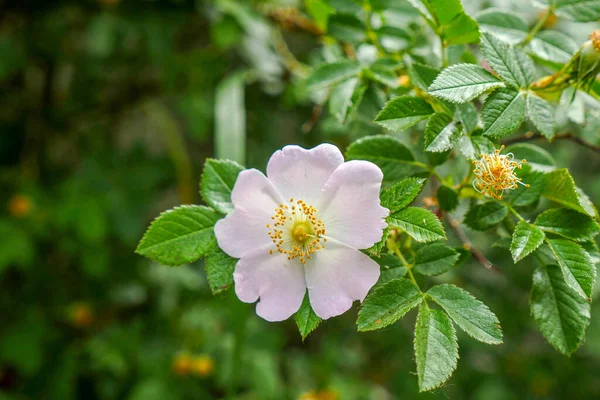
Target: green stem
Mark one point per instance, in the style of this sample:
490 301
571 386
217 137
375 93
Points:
537 27
514 212
444 54
392 244
370 32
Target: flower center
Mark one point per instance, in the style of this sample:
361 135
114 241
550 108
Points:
495 173
296 231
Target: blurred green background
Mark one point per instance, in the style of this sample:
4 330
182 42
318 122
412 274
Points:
107 113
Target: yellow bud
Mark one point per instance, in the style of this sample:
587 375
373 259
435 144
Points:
182 364
19 205
202 365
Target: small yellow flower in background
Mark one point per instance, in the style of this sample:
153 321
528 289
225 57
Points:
495 173
325 394
182 364
81 315
19 205
202 365
404 80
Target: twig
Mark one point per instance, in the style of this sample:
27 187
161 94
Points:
566 136
479 256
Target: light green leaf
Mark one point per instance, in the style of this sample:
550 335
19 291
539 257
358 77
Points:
394 158
435 259
441 133
329 74
524 196
421 224
403 112
568 223
387 304
541 113
306 319
179 236
345 98
461 83
578 10
219 269
230 119
576 265
514 66
481 217
454 25
436 348
538 158
507 26
560 188
561 314
382 74
553 46
218 178
393 39
503 113
468 115
474 317
346 28
402 193
525 239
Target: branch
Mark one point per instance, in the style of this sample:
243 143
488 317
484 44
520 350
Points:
479 256
566 136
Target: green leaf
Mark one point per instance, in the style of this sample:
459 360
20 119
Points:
441 133
538 158
179 236
447 198
218 178
474 317
230 118
306 319
377 247
435 259
454 25
387 304
329 74
382 74
422 76
394 158
578 10
393 39
525 239
421 224
560 188
561 314
507 26
390 268
219 269
503 112
345 98
576 265
403 112
514 66
553 46
541 113
468 115
346 28
568 223
402 193
481 217
436 348
461 83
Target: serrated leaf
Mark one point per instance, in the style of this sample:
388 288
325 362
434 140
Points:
507 26
454 25
538 158
383 75
447 198
345 98
346 28
436 348
462 83
377 247
553 46
387 304
468 115
402 193
218 178
441 133
481 217
435 259
560 188
568 223
578 10
219 269
422 76
541 113
179 236
403 112
421 224
470 314
503 112
525 239
576 265
559 312
329 74
394 158
306 319
390 268
514 66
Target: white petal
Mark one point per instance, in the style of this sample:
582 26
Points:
349 205
245 229
336 276
301 173
277 281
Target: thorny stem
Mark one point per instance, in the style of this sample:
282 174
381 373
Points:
537 27
566 136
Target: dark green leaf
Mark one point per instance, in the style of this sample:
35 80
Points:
447 198
421 224
560 188
346 28
403 112
391 268
481 217
503 112
402 193
219 270
576 265
435 259
525 239
218 178
306 319
441 133
568 223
